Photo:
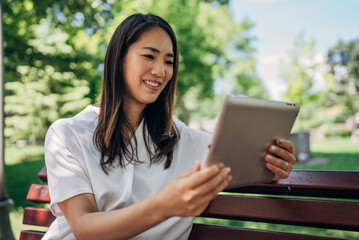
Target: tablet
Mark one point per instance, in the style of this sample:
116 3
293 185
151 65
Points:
244 130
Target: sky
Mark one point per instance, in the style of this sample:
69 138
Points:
278 22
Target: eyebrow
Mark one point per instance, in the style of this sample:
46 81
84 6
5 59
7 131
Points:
158 51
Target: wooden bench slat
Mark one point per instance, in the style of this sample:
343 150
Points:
212 232
314 183
323 179
314 213
337 184
43 174
38 217
38 193
31 235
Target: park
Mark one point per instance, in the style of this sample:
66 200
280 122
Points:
52 67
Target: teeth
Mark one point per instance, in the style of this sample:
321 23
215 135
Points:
152 83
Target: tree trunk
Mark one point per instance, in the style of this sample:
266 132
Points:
5 202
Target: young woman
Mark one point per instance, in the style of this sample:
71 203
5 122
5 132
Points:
125 169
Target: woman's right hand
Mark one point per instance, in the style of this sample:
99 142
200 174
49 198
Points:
190 193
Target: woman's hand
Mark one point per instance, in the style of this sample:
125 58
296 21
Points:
190 193
281 158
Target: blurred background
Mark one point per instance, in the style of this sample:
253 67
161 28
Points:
299 51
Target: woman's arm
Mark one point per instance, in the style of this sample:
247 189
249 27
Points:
185 195
281 158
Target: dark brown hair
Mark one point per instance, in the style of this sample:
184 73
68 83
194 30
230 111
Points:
110 134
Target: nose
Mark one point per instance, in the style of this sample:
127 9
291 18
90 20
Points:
158 69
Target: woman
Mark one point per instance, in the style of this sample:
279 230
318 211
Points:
125 169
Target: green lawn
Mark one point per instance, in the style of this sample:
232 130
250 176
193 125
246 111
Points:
23 164
341 154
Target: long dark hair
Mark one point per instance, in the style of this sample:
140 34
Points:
113 125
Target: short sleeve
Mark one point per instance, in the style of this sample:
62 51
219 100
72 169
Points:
65 173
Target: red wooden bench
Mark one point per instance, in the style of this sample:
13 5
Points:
322 199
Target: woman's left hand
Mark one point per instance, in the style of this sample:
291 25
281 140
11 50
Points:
281 158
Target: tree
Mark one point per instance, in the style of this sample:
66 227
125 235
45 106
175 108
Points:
50 73
34 103
343 60
300 77
58 39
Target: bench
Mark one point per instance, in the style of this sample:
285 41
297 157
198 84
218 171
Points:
321 199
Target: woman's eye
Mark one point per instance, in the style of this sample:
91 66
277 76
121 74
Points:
149 56
169 62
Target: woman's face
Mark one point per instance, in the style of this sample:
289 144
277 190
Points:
148 66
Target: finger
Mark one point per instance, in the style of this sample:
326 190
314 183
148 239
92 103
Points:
279 173
212 184
286 144
204 175
282 153
280 163
203 201
224 184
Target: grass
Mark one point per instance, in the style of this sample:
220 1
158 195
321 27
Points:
23 164
342 154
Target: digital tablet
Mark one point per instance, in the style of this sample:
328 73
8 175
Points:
244 130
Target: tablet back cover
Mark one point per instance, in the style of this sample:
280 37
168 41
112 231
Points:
244 130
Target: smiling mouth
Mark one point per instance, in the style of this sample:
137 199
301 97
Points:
152 83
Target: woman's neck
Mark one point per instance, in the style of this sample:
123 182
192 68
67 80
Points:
134 114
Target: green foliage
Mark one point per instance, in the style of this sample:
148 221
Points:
16 154
339 100
48 73
310 116
54 54
338 133
40 97
343 60
299 76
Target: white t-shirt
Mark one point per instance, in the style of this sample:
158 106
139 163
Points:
73 168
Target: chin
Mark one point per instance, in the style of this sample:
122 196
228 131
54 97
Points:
149 100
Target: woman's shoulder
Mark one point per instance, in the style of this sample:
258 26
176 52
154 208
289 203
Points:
192 144
188 132
84 121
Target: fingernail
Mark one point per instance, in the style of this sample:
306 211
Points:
226 170
273 148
